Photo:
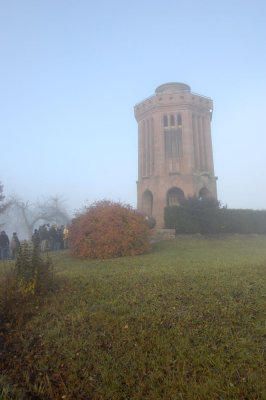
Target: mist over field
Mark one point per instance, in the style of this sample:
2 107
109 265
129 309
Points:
71 74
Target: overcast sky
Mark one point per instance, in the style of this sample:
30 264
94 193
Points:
71 72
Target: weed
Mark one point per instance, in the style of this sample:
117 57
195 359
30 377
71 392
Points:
32 271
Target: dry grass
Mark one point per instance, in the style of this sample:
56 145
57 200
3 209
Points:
183 322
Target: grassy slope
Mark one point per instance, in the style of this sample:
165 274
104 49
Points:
183 322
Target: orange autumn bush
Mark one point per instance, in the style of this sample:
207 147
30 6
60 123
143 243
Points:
107 229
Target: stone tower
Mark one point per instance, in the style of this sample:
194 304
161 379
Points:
174 148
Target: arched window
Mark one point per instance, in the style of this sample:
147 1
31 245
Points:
179 119
172 120
174 196
204 193
147 202
165 120
173 143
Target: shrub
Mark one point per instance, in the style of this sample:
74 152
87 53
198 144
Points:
107 229
206 216
194 215
243 221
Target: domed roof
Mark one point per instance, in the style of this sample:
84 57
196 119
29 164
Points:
172 87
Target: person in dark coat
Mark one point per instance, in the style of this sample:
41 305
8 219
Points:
14 245
4 246
36 237
55 236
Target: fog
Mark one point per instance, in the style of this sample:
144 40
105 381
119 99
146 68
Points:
72 71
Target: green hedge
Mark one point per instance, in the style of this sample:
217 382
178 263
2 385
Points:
215 220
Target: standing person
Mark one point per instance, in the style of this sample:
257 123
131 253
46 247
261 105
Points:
14 245
36 237
61 237
4 246
58 238
44 236
65 237
55 236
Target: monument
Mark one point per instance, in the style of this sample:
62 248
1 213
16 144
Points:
175 156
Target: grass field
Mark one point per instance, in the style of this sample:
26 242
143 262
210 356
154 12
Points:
185 321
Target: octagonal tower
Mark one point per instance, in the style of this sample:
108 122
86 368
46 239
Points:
174 148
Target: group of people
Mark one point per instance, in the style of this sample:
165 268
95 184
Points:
8 249
51 237
48 237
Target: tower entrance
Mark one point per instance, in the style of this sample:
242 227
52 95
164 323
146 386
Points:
174 196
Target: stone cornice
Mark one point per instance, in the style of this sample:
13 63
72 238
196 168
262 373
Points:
185 100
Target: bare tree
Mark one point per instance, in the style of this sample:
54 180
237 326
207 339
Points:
3 205
54 210
51 210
